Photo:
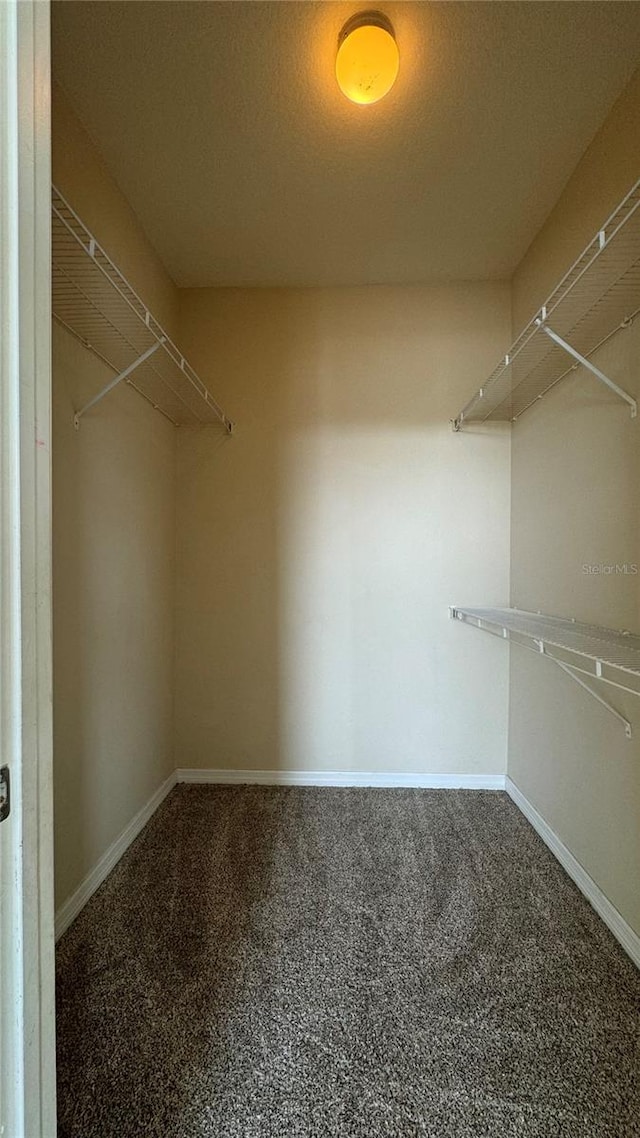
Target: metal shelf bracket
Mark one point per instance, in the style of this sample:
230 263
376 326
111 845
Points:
114 382
93 301
597 296
518 631
587 687
541 322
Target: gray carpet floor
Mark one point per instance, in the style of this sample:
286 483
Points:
324 963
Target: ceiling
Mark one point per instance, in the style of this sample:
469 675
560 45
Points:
224 127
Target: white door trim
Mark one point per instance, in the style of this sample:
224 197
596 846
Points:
26 527
11 1009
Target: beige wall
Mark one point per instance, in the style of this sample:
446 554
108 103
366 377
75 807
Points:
318 550
575 478
113 548
81 176
606 171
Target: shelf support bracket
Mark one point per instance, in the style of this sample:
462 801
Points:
587 687
544 327
115 381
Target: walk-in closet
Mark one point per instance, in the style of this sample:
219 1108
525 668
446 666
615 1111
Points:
346 609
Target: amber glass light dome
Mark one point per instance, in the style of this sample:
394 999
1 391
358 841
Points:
367 62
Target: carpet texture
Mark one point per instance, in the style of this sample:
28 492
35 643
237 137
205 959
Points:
344 963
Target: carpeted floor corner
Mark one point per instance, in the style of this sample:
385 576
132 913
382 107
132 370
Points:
344 963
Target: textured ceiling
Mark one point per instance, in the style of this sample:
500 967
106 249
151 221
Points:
224 127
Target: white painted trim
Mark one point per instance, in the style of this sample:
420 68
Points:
27 995
12 1026
623 932
72 906
345 778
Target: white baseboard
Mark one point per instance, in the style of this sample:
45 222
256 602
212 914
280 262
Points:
346 778
72 906
68 912
623 932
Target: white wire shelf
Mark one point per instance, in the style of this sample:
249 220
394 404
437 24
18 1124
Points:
93 301
589 644
600 653
597 296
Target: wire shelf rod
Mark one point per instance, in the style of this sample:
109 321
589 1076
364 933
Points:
83 333
602 654
95 302
100 316
626 323
598 295
590 367
114 382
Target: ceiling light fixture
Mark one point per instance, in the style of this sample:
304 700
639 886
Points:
367 61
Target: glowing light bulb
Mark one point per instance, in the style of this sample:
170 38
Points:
368 60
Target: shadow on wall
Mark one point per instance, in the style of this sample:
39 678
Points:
113 560
576 469
70 666
318 551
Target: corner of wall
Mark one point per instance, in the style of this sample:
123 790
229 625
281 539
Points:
557 742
